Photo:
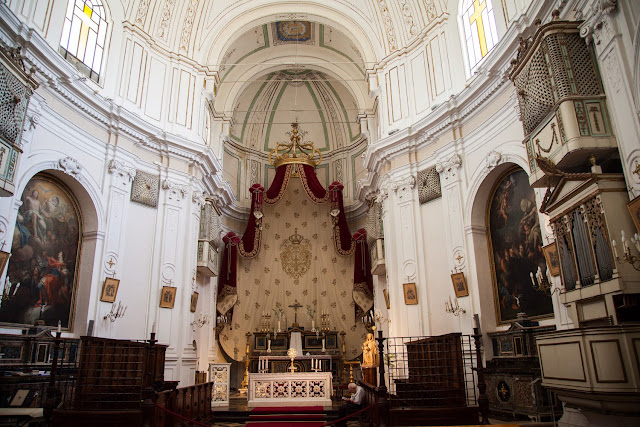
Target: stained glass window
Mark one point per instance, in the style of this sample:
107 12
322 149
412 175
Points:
480 34
83 36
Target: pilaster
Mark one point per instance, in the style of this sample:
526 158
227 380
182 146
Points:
403 249
455 244
601 28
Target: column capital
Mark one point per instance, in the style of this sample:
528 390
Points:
123 174
597 25
448 169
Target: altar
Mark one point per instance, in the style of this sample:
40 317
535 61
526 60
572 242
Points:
289 389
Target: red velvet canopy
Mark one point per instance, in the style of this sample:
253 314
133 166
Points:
249 245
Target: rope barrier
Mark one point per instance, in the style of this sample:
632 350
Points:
180 416
349 416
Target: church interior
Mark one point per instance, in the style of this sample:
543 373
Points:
265 200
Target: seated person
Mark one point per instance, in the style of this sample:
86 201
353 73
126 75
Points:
353 404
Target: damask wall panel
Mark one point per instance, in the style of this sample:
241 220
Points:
297 260
154 96
419 81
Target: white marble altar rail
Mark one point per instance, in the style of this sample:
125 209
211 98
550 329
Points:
291 389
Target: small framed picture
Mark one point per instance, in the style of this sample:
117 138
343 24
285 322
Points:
410 293
634 210
194 302
460 285
20 398
109 290
386 298
551 256
168 297
4 257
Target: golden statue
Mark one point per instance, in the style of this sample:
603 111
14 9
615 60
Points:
369 352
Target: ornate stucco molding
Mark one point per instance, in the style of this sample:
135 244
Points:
448 169
123 174
70 166
175 192
403 187
198 198
492 160
597 25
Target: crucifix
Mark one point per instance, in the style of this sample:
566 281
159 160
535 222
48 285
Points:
295 307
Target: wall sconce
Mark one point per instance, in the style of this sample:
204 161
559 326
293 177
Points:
541 282
634 260
200 321
453 307
116 312
221 321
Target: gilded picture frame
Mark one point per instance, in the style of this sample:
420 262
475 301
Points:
109 290
385 293
168 297
4 257
410 293
194 302
551 257
460 285
634 211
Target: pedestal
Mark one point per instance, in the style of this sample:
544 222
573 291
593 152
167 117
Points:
369 375
219 376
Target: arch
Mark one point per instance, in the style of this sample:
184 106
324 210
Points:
84 190
241 17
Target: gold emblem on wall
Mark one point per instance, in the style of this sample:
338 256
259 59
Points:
295 255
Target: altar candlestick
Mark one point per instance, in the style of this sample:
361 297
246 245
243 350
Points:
323 349
59 330
279 325
269 345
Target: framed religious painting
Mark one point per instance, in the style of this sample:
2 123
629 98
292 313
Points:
42 271
194 302
4 257
634 210
410 293
168 296
551 256
385 293
460 285
109 290
279 343
515 248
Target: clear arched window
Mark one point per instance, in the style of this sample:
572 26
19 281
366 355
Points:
83 36
480 33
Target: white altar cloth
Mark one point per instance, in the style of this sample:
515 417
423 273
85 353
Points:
290 389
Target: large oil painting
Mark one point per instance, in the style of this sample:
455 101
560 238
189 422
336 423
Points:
515 246
42 272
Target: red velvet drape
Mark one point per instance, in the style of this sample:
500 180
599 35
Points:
227 277
341 234
279 184
312 186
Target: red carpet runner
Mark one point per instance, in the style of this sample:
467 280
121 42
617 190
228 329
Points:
299 416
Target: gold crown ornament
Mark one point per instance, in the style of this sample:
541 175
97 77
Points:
296 152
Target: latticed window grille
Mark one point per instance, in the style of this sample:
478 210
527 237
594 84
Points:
14 98
479 27
559 66
83 36
429 185
374 224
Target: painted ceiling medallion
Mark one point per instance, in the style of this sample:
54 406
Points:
296 255
293 32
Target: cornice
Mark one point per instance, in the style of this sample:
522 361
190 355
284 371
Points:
488 81
65 82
